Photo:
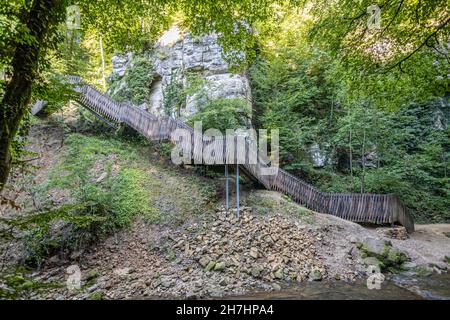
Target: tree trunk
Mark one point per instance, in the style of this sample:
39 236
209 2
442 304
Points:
103 63
363 152
363 160
43 15
351 153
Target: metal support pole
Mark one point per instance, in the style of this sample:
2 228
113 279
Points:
226 186
237 189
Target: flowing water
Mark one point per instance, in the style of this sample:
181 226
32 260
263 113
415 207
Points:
400 287
435 286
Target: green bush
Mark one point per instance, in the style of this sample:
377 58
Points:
135 85
176 93
18 283
98 207
131 197
174 96
403 150
223 113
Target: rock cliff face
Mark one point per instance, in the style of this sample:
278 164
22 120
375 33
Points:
177 54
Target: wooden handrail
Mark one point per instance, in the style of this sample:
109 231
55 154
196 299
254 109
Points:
358 207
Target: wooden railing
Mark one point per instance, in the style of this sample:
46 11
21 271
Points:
358 207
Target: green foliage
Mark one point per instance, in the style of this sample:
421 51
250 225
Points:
222 114
406 60
136 25
405 29
126 25
164 149
292 95
96 296
135 85
99 206
232 20
131 197
19 142
174 96
18 284
138 80
55 90
176 93
62 230
379 132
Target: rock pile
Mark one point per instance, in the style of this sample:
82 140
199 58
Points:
268 248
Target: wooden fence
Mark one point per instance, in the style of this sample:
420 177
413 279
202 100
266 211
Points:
357 207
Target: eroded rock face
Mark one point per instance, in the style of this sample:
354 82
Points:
381 253
178 53
120 63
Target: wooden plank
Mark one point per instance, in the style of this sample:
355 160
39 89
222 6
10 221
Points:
352 206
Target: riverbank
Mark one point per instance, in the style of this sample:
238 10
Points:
220 257
190 247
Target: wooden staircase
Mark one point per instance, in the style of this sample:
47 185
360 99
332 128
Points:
357 207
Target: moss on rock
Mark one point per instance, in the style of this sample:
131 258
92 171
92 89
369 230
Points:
381 253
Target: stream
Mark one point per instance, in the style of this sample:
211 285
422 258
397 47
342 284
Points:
399 287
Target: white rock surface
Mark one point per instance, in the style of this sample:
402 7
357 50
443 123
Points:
177 53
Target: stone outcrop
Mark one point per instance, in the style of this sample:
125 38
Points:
178 53
381 253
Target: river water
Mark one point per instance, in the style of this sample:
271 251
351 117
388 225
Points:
399 287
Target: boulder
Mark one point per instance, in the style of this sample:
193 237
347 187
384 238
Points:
388 257
409 265
276 286
375 247
210 266
220 266
254 252
122 271
372 261
279 274
204 261
256 271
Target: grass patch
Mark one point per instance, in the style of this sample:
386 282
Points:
17 283
99 185
131 197
264 203
105 183
96 296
